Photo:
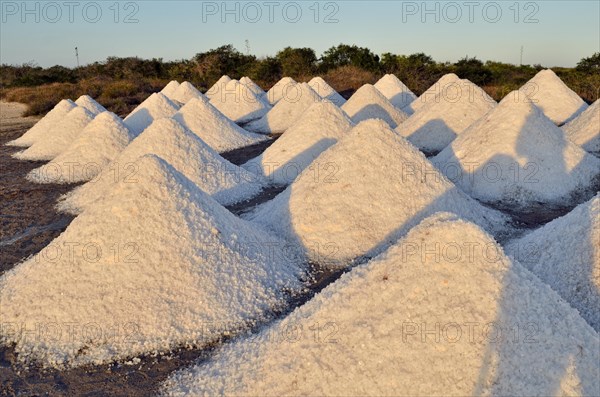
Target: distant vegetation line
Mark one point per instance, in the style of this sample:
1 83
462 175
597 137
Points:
120 84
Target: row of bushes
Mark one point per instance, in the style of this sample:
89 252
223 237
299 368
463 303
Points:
121 83
123 95
118 96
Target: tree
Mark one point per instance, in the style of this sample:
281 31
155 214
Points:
214 63
131 67
418 71
590 64
473 69
266 71
297 62
390 63
420 61
344 55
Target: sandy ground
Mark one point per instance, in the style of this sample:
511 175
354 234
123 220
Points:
27 220
11 116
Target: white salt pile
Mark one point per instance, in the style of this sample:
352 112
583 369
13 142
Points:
287 110
516 156
371 188
442 313
585 129
280 90
445 83
320 127
565 254
185 92
436 124
155 266
325 91
155 107
220 133
225 182
218 87
59 136
97 145
368 103
247 81
41 127
239 103
548 92
170 89
90 104
393 89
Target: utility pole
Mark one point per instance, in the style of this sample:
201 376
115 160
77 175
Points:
77 56
247 46
521 64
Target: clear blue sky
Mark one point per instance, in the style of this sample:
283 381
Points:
553 33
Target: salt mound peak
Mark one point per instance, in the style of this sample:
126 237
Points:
406 301
90 104
584 130
170 89
168 277
218 87
525 160
558 102
395 90
368 103
155 107
58 137
287 110
319 127
436 124
220 133
565 254
371 188
44 124
97 145
445 83
325 91
225 182
280 89
239 103
247 81
186 91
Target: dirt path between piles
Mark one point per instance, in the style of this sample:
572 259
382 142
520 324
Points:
27 219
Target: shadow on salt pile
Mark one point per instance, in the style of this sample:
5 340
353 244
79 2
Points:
565 254
242 155
155 107
274 189
534 193
536 213
372 355
328 265
405 99
367 205
425 131
368 111
555 375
